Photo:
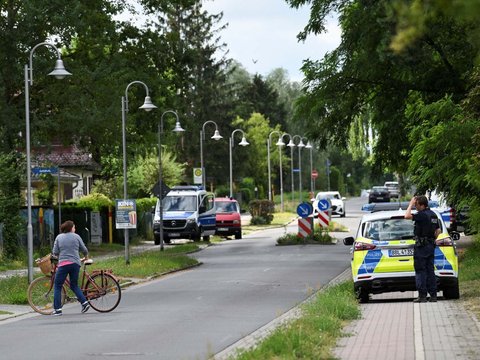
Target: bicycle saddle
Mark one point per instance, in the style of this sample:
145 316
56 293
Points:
88 261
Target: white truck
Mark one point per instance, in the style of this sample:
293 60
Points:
188 213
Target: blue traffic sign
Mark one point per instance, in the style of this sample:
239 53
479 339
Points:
304 210
323 204
44 170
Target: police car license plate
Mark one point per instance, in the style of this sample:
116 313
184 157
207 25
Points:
222 229
400 252
174 234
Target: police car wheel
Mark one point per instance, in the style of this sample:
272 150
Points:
156 240
451 292
362 295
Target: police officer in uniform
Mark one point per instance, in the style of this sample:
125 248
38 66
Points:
427 228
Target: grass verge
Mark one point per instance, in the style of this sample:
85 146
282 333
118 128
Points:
469 276
13 290
315 333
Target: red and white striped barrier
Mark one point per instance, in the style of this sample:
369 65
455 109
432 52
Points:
305 227
323 219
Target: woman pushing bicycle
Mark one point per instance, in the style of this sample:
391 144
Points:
66 248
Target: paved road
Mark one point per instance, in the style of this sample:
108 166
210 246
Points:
241 286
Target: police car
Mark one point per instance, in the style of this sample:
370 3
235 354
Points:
382 256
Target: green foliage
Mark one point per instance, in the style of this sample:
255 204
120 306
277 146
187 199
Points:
318 236
94 201
10 202
144 172
261 210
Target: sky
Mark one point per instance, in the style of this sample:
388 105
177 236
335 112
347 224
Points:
262 35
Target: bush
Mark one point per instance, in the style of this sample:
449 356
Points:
261 209
319 236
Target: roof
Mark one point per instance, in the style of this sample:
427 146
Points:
65 156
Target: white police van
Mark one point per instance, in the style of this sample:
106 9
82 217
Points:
188 213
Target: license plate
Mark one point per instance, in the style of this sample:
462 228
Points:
174 234
400 252
222 229
380 198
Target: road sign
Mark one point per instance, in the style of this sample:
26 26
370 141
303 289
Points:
156 189
44 170
323 219
305 227
304 209
323 204
314 174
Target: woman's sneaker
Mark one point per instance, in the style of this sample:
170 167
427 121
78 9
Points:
85 307
57 312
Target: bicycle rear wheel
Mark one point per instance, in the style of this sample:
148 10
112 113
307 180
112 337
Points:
103 292
40 295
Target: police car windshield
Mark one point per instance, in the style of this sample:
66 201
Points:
180 203
388 229
225 207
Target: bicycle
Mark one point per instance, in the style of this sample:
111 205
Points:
101 288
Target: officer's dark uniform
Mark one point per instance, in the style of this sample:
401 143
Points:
426 222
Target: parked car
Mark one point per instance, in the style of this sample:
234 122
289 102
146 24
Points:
382 256
228 217
393 188
379 194
336 200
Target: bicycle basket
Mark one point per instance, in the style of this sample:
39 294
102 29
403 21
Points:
45 264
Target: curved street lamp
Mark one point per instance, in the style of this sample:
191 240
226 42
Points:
177 128
147 106
59 72
216 136
269 141
242 143
300 146
310 147
291 145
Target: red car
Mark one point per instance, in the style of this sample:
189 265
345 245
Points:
228 217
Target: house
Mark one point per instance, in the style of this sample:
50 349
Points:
71 166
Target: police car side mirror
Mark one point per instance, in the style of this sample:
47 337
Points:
455 235
348 241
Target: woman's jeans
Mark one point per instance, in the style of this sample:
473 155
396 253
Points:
72 270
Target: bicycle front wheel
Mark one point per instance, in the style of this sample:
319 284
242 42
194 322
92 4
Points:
103 292
40 295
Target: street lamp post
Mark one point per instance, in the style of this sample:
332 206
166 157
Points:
178 128
59 72
291 145
242 143
147 106
216 136
300 146
279 143
309 146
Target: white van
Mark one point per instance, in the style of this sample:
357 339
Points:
188 213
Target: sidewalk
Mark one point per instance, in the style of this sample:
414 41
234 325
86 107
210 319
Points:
393 327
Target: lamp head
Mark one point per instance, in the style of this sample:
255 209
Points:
243 142
280 142
291 144
301 144
147 104
178 127
217 135
59 72
308 146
